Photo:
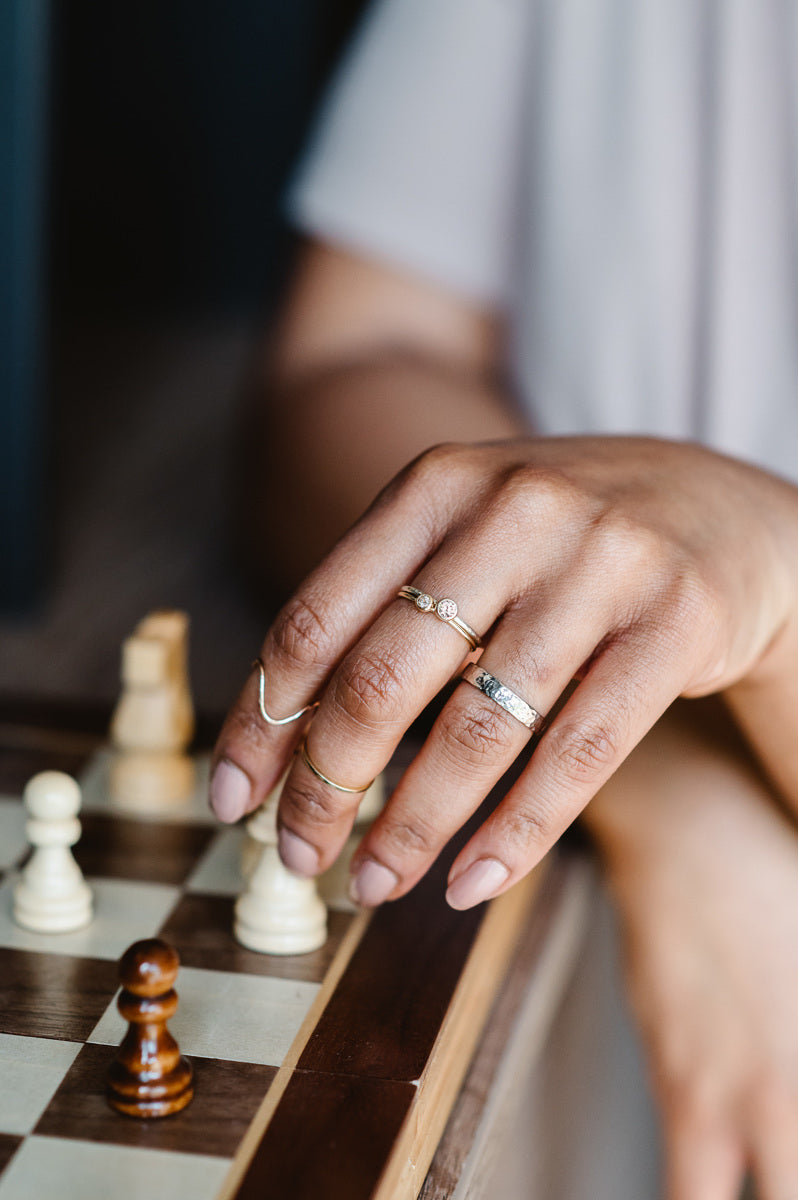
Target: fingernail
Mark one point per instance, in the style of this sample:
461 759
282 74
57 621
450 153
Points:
230 791
478 882
297 854
372 884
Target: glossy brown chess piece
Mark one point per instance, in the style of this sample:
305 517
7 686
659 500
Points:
148 1077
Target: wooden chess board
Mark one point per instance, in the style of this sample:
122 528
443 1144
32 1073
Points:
322 1075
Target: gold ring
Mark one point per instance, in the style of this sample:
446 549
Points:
445 610
262 701
303 750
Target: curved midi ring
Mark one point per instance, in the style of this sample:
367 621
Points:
303 750
445 610
262 702
505 697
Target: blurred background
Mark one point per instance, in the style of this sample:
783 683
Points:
144 151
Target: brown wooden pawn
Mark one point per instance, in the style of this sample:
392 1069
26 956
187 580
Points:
148 1077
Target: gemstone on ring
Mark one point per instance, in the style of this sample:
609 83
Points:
446 609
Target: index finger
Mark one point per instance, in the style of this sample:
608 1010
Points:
321 622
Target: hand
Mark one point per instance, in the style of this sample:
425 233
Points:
651 569
705 874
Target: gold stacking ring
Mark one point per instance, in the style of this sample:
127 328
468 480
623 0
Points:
262 701
505 697
445 610
303 750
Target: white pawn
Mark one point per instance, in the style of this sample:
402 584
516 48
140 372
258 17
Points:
52 896
278 912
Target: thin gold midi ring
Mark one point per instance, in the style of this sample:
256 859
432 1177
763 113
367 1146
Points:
445 610
262 702
303 750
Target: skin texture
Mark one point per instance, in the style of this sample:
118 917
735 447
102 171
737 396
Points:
571 552
706 882
647 569
367 369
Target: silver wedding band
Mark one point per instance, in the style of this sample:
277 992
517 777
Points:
445 610
262 701
505 697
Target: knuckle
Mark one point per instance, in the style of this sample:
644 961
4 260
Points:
438 465
245 728
475 735
410 835
695 614
368 688
300 635
621 539
308 804
577 753
530 824
528 659
694 600
549 494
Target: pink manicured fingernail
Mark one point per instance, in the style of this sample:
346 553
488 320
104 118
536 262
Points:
372 884
478 882
297 854
230 791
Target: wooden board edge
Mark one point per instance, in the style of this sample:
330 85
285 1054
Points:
257 1127
548 981
438 1087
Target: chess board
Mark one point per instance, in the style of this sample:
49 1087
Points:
322 1075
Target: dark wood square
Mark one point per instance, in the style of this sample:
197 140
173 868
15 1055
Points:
386 1012
9 1144
53 995
349 1127
202 927
226 1097
150 851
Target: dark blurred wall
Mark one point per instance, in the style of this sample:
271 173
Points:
144 149
174 127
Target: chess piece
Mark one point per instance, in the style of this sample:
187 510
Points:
149 1077
154 720
278 912
334 883
52 895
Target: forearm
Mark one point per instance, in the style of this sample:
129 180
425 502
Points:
326 443
765 706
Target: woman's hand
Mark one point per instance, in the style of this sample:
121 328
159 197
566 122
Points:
705 873
649 569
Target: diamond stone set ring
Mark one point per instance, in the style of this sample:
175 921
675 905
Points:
505 697
445 610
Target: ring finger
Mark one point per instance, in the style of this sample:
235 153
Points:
534 653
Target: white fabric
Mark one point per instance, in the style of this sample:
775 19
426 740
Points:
620 175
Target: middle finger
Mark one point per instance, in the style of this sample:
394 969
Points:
379 689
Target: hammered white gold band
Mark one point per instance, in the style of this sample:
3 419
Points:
445 610
505 697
